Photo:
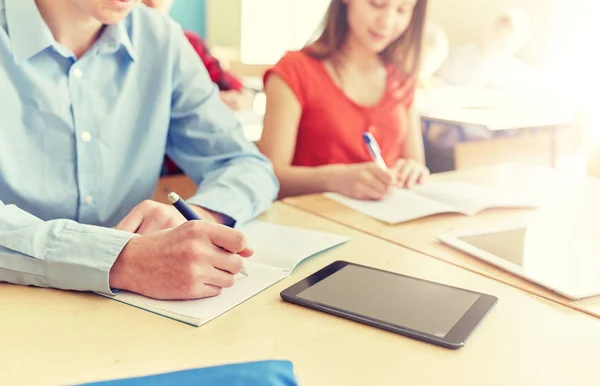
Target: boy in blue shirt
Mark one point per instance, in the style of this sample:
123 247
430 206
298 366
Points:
92 94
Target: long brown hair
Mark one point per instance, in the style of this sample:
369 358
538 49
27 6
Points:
404 53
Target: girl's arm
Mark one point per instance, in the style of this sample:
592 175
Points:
278 143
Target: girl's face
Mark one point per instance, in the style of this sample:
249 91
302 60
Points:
377 23
161 5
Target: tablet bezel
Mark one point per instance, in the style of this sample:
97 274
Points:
454 339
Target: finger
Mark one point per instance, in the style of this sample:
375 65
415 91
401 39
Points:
404 173
412 178
227 238
371 193
379 183
246 252
398 166
132 221
229 262
219 278
372 188
386 176
149 226
423 177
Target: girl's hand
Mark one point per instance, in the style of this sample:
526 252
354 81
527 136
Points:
409 172
364 181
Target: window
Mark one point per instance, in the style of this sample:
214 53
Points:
272 27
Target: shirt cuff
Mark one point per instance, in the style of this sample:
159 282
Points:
81 257
224 201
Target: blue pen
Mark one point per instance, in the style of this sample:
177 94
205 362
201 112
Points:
374 150
187 212
182 207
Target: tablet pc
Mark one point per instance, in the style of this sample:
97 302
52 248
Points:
560 257
417 308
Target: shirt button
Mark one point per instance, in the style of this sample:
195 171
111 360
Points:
77 73
88 200
86 136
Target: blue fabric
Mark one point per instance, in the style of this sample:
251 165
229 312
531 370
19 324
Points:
82 141
266 373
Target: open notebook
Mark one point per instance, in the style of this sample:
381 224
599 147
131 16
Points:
277 251
431 198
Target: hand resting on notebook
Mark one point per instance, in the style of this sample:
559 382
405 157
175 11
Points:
409 173
195 260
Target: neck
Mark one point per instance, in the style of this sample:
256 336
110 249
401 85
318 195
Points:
69 25
356 54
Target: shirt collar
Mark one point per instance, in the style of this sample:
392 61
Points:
115 36
30 34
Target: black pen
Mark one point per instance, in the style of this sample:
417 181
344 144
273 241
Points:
188 212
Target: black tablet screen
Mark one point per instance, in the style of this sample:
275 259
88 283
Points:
412 303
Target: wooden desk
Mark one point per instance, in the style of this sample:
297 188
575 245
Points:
52 337
557 193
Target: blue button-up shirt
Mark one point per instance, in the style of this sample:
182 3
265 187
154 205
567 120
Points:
82 142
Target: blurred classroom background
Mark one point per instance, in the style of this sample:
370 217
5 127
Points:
536 103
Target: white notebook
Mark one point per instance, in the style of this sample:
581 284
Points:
277 251
431 198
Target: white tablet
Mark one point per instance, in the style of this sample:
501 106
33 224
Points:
562 259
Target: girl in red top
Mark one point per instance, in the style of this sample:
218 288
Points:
358 76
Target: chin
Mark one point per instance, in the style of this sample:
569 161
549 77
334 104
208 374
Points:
378 48
108 17
114 11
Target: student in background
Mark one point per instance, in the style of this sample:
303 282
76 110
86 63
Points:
231 88
92 94
358 76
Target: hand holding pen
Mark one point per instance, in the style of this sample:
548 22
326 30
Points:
367 180
188 213
406 172
175 259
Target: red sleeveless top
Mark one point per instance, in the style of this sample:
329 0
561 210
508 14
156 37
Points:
331 125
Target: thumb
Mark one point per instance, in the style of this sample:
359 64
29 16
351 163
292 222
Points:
132 221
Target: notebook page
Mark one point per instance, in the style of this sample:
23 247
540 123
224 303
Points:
400 206
285 247
198 312
467 198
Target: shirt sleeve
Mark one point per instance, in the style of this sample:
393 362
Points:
59 254
207 142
